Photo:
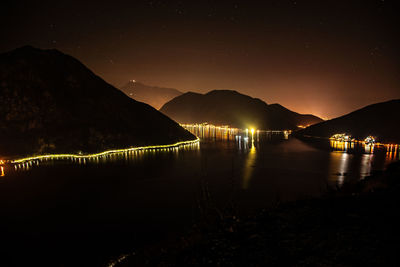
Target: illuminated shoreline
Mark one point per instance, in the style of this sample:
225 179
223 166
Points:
377 144
96 155
228 128
226 132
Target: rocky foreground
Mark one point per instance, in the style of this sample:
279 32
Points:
357 225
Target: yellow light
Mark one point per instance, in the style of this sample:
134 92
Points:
104 153
252 130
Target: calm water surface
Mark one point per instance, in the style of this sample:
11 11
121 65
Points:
85 213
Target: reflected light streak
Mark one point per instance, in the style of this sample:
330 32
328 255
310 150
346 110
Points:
392 153
249 166
210 131
224 132
339 145
348 146
366 165
339 166
369 148
343 167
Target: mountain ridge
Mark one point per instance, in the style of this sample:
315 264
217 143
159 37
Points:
229 107
155 96
372 120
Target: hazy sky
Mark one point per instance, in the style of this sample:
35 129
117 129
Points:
322 57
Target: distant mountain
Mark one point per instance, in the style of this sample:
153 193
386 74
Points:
226 107
152 95
380 120
50 102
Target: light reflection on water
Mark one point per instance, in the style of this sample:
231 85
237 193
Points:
247 142
226 133
366 165
348 160
339 167
345 155
392 152
249 165
146 193
345 161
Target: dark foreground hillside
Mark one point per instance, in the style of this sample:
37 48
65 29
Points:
50 102
380 120
355 226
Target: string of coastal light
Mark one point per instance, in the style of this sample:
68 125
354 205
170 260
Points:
369 140
344 142
97 155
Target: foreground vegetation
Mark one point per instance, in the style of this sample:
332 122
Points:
354 226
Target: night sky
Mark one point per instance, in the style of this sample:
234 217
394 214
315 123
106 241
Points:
322 57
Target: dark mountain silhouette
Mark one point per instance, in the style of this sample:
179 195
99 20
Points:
380 120
50 102
226 107
152 95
